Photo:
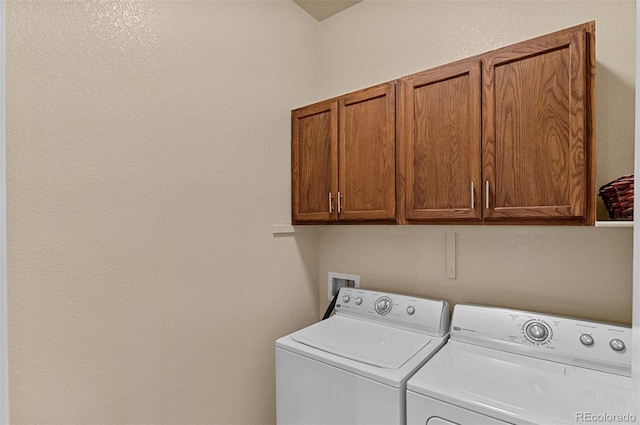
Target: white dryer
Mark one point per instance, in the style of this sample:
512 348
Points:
353 367
505 366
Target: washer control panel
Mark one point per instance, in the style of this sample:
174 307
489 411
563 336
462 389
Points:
588 344
422 315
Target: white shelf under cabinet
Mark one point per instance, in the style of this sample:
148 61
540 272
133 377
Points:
288 229
612 223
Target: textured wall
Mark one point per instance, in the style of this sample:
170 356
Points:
147 160
578 271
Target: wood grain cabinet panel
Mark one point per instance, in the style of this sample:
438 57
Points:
367 154
441 143
537 138
314 156
343 158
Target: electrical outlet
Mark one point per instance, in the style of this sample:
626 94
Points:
339 280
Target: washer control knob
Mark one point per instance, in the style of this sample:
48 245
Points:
616 344
383 305
410 310
586 340
346 298
537 331
359 300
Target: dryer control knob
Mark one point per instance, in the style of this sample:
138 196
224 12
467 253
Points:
586 339
537 331
410 310
346 298
359 300
616 344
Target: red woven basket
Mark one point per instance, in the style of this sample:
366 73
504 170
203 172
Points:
618 198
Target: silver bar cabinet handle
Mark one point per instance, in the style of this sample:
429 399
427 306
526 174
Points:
339 203
330 203
473 196
486 193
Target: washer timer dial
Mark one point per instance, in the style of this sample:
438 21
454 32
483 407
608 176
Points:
383 305
537 331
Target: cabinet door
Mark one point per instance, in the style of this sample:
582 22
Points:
441 143
537 147
314 159
367 154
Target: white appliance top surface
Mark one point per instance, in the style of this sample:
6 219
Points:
384 354
524 390
364 342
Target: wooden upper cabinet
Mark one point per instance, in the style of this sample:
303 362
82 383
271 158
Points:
503 137
440 143
343 158
538 123
314 158
367 154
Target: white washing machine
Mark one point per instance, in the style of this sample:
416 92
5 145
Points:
353 367
505 366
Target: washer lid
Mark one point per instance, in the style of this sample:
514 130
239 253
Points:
364 342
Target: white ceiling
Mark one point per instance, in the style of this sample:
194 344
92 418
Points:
322 9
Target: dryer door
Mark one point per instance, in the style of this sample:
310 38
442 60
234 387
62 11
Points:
423 410
364 342
439 421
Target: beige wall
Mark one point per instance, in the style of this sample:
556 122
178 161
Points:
147 160
582 272
148 157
